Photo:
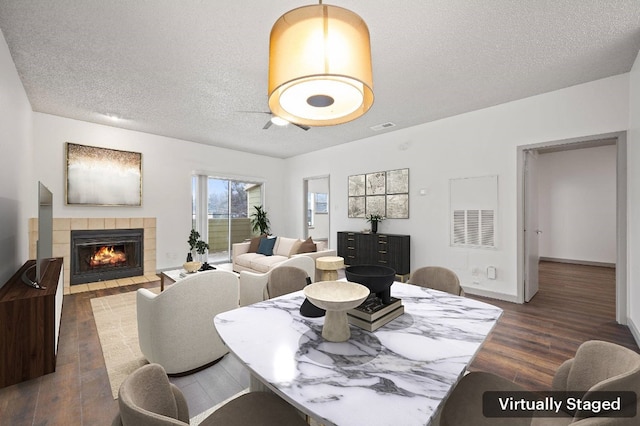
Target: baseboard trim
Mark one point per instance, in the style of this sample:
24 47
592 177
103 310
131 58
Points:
635 332
578 262
490 294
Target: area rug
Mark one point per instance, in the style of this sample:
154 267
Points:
117 326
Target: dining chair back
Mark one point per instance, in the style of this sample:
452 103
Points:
147 398
597 366
437 278
284 280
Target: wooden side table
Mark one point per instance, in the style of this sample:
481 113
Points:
329 266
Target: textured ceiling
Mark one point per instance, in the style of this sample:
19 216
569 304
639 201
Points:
186 69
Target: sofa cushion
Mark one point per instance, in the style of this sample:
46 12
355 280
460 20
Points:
296 247
266 246
265 263
285 245
254 244
245 259
307 246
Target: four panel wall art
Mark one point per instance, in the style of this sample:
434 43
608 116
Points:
383 193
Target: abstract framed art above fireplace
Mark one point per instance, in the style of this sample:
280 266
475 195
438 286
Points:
102 177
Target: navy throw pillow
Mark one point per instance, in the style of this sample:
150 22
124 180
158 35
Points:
266 246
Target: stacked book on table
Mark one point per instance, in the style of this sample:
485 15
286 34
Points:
373 314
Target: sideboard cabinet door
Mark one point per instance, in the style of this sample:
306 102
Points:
358 248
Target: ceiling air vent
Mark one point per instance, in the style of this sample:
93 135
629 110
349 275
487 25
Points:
383 126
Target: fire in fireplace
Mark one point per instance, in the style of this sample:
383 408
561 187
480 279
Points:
108 256
98 255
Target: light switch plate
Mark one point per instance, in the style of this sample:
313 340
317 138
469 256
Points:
491 272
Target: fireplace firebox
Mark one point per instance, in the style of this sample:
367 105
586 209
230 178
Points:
106 254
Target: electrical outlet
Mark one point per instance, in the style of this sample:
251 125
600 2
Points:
475 273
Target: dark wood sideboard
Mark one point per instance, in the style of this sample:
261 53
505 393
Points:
361 248
30 325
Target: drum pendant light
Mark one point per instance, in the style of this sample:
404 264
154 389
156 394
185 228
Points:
320 66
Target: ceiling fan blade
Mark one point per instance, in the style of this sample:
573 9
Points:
302 126
269 123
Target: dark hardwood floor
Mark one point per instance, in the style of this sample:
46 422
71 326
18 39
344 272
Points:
78 393
575 304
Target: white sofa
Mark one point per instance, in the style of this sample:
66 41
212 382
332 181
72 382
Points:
283 249
175 327
252 284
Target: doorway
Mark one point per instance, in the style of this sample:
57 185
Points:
528 226
316 213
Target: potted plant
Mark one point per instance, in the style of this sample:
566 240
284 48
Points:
260 221
197 245
374 219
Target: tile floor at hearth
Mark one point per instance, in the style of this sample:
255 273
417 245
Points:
122 282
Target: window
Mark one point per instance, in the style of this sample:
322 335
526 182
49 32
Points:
221 212
317 203
322 203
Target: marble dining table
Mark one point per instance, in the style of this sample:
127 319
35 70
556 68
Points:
399 374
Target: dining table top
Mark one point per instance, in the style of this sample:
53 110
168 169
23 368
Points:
399 374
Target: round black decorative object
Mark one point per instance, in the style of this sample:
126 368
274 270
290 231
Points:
309 310
375 277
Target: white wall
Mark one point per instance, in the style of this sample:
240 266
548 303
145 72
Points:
479 143
167 168
577 204
633 201
15 167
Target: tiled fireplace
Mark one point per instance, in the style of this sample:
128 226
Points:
142 263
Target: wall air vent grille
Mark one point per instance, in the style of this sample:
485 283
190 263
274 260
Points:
383 126
474 228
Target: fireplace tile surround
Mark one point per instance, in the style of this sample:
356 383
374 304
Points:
62 228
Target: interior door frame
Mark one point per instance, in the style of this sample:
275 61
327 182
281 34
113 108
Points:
621 211
530 210
305 204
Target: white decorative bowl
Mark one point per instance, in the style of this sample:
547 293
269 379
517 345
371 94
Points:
336 297
191 267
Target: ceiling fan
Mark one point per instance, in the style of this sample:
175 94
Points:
276 120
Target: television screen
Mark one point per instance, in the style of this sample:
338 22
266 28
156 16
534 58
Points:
45 230
34 275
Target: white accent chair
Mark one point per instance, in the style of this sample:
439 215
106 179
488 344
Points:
252 285
175 327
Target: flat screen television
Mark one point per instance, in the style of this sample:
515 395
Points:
44 246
